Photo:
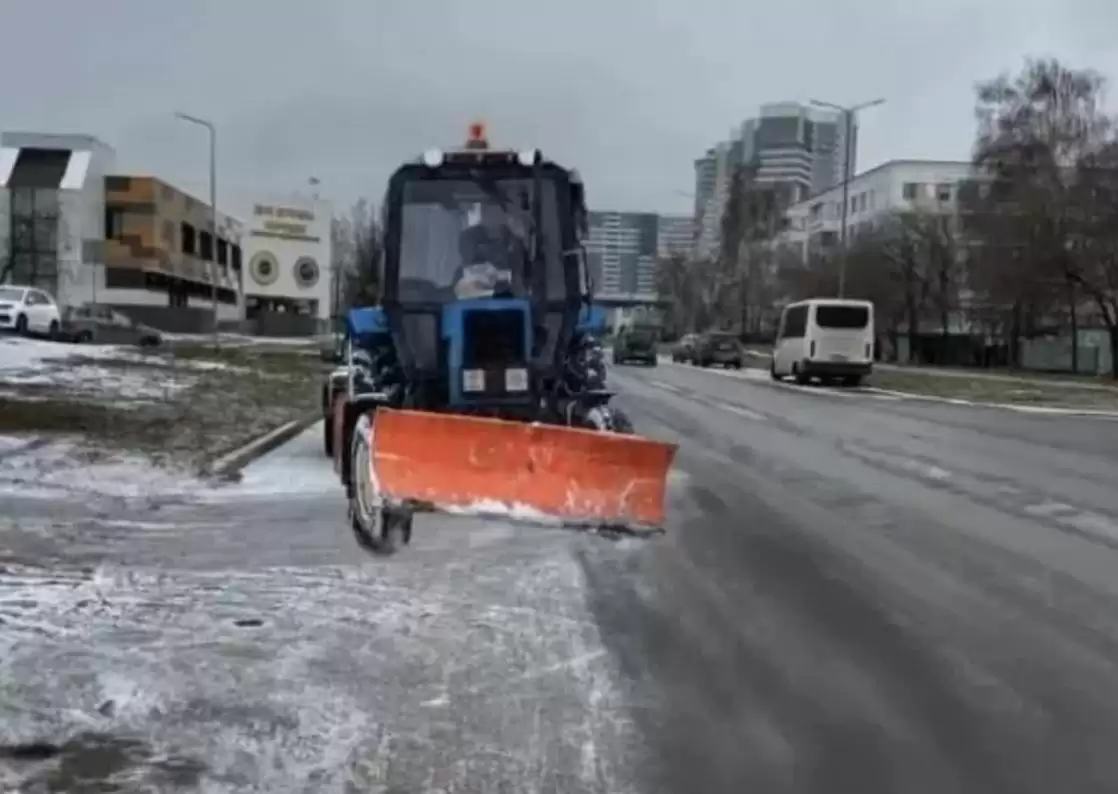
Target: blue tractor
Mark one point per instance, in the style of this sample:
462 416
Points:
478 383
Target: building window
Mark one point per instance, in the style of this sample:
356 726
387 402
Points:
943 192
222 252
189 239
236 258
206 247
911 190
114 223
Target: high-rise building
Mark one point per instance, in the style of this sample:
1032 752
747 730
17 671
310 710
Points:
799 149
675 234
621 252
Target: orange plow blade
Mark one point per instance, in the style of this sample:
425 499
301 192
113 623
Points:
473 464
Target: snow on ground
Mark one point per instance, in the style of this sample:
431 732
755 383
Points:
74 370
38 468
299 468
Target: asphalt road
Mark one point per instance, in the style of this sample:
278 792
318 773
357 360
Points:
857 594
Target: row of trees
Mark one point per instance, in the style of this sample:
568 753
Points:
355 256
1029 246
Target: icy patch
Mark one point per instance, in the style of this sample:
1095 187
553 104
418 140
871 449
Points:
299 468
68 468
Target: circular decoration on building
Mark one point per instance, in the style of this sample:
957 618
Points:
263 268
306 271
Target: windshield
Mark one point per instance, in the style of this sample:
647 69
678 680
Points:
460 239
10 294
848 317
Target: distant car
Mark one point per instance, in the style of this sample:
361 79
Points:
28 310
636 344
97 323
722 349
684 348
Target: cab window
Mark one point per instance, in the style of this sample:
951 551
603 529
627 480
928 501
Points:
794 324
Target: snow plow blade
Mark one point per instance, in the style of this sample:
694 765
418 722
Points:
467 464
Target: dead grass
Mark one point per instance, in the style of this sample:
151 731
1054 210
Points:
210 403
1015 391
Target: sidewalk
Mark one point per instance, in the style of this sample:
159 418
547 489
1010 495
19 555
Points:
979 374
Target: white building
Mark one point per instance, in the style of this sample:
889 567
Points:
287 249
895 186
52 211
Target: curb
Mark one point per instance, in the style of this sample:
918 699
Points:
229 465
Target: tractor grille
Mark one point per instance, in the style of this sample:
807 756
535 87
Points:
494 339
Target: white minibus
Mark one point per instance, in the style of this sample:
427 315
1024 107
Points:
826 338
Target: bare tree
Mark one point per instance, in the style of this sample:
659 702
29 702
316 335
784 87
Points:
751 218
1095 242
356 243
1034 131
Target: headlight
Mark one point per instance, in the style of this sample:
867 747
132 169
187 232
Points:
473 380
516 380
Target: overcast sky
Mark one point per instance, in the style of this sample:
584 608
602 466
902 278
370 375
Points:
628 91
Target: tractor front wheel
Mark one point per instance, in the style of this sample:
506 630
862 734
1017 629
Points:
377 527
608 419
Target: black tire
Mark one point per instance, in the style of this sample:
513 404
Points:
85 337
800 378
21 325
852 381
610 419
328 436
772 371
52 331
377 529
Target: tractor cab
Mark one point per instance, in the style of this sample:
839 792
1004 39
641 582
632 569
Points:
481 289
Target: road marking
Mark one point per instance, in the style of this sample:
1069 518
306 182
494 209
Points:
666 386
1049 509
1084 521
737 409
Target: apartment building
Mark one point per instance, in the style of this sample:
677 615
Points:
895 186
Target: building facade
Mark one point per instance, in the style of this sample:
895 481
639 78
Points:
895 186
621 252
160 254
798 149
675 234
289 257
52 211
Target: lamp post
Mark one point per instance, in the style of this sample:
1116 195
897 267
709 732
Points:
847 172
209 125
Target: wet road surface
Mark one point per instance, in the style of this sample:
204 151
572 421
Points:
858 593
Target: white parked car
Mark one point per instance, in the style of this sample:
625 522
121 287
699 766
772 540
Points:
28 310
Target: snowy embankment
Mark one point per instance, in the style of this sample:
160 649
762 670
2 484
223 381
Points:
31 368
69 413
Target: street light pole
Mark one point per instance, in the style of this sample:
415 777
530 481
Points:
848 114
214 236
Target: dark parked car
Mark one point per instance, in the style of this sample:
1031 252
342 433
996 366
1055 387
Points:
636 344
97 323
722 349
684 349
